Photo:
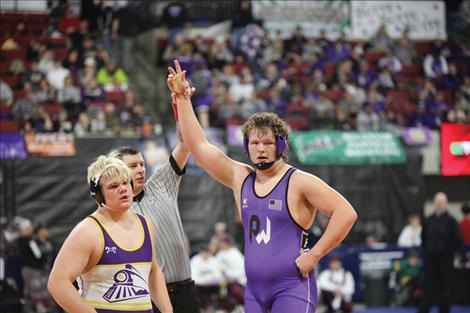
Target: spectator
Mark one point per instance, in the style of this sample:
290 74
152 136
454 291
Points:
71 98
126 29
32 76
410 236
367 119
56 76
112 77
405 280
207 275
35 252
337 286
435 64
391 62
404 48
381 42
441 239
46 62
452 80
231 261
456 114
175 17
240 19
465 223
106 26
220 232
6 94
45 92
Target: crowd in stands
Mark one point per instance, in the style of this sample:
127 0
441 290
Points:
320 83
63 73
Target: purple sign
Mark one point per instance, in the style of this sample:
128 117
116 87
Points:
234 135
416 136
12 146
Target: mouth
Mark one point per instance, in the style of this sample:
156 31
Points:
262 159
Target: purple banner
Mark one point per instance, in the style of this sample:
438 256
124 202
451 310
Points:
416 136
12 146
234 135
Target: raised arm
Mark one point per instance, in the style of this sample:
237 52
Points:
75 257
180 153
331 203
215 162
158 291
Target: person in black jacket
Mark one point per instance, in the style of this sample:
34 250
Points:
441 239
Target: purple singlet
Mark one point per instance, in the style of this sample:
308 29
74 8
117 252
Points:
273 241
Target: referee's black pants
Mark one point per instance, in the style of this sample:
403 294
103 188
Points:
184 298
438 278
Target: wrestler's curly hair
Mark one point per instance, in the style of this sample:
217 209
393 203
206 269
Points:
267 120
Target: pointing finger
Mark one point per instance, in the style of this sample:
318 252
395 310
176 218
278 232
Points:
177 66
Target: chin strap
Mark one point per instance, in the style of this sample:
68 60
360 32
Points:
264 166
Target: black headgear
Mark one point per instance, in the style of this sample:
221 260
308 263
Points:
95 190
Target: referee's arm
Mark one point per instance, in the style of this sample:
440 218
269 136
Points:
180 154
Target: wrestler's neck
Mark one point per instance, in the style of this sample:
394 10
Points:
277 168
111 214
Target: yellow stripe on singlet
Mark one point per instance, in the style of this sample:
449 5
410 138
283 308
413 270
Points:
148 304
122 264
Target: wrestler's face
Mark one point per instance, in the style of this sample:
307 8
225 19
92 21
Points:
117 193
137 165
262 145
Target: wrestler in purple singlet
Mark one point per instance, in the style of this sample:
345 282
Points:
273 241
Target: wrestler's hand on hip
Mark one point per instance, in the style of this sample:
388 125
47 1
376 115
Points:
306 262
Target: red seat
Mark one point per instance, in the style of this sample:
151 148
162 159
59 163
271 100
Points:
115 96
9 126
18 94
9 55
11 80
412 70
373 56
52 108
298 122
422 47
398 94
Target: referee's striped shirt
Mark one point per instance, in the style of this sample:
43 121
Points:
159 204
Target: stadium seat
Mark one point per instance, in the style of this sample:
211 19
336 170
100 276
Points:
9 126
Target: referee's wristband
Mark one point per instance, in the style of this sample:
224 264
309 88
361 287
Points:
175 110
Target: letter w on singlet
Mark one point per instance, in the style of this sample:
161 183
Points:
265 236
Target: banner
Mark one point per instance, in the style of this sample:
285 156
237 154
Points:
416 136
12 146
284 16
425 19
50 144
335 147
234 135
455 149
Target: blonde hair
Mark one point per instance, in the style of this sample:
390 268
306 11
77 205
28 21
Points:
111 168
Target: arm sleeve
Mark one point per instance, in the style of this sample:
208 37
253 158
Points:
165 180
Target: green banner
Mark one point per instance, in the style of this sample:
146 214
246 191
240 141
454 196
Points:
336 147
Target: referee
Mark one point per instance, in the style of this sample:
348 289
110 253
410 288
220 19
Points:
156 198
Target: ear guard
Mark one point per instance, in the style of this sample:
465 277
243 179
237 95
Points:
95 190
281 145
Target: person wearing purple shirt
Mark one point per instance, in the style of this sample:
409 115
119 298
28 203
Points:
277 203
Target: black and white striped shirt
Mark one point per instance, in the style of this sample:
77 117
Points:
159 204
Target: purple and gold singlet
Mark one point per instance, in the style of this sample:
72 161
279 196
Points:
119 281
273 241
